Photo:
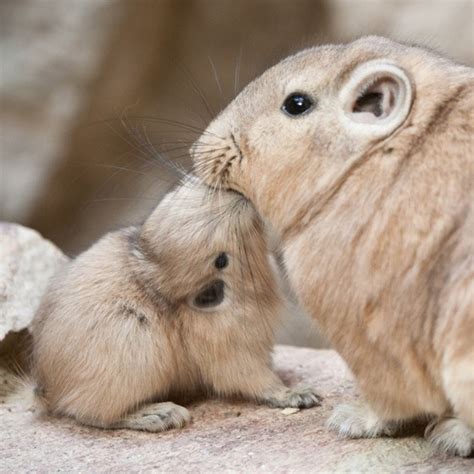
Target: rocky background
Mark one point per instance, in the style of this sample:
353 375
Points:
91 90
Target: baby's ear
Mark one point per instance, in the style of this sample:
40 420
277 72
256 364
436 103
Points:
376 99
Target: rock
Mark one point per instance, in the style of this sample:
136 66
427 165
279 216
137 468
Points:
27 262
224 436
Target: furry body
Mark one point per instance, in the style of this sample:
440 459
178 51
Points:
377 227
118 330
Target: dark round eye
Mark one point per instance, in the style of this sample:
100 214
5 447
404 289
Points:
221 261
210 296
297 104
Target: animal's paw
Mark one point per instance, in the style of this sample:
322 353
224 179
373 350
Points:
359 421
451 436
156 417
298 397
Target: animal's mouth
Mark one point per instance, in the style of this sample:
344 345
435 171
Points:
230 186
218 162
237 148
238 193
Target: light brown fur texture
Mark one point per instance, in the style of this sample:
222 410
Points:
118 333
371 192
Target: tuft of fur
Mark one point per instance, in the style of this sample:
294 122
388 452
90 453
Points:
359 421
24 392
451 435
375 212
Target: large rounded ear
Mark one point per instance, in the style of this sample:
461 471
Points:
376 99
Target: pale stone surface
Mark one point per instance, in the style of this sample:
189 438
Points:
224 437
27 262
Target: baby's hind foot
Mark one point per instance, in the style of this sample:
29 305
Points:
451 435
359 421
156 417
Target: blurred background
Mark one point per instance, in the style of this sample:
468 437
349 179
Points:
92 90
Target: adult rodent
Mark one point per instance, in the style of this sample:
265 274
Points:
361 157
185 303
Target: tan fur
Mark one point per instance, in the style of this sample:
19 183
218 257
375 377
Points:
117 328
377 231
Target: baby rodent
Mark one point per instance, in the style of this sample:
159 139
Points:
361 157
187 302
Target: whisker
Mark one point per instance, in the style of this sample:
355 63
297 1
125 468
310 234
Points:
216 78
120 168
165 121
147 146
237 69
133 198
198 90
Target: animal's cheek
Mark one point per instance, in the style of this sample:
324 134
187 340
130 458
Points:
274 136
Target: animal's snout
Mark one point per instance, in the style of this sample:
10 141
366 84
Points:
215 157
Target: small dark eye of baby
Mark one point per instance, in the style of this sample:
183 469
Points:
221 261
297 104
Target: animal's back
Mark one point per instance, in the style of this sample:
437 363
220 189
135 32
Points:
90 315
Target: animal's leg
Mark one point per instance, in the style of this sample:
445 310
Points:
455 434
279 395
264 386
451 435
357 420
155 417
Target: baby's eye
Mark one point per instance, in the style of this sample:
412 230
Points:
221 261
297 103
210 296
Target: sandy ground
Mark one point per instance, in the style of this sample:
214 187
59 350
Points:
224 436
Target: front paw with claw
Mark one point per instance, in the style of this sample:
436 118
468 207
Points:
298 397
